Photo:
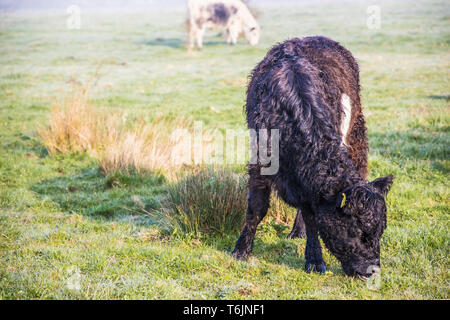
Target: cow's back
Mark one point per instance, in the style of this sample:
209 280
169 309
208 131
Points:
309 90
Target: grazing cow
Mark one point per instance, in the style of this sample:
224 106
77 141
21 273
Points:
308 89
232 16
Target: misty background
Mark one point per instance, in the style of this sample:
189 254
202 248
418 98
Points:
59 4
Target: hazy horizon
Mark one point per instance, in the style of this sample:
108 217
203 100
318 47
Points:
60 4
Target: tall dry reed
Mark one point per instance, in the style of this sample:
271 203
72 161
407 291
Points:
142 146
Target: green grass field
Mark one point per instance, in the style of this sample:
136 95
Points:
63 222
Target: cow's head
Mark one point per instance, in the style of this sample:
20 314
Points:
252 33
351 229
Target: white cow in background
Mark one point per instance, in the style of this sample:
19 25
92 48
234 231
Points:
232 16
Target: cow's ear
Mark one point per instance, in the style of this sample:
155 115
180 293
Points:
383 184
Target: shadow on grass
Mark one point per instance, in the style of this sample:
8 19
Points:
216 43
283 251
437 97
92 194
279 250
289 253
176 43
120 196
165 42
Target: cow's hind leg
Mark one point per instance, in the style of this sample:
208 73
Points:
257 206
313 251
228 35
298 230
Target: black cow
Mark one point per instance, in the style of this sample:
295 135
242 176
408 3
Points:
308 89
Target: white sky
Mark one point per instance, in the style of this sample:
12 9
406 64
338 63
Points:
58 4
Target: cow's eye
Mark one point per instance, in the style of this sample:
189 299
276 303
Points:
253 29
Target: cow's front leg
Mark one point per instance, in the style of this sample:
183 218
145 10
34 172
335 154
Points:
192 35
298 230
199 36
233 34
257 206
313 251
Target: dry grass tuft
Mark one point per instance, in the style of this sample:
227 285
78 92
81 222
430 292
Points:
118 145
147 147
75 127
281 212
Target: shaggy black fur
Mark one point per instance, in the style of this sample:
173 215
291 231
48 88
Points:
297 88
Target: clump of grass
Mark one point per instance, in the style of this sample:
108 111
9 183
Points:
281 212
141 147
146 147
209 201
74 126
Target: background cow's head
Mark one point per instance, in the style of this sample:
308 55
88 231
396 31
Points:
351 229
252 33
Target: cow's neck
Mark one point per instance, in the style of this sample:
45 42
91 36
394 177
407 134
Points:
333 170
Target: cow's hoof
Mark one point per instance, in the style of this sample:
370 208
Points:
239 255
315 267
